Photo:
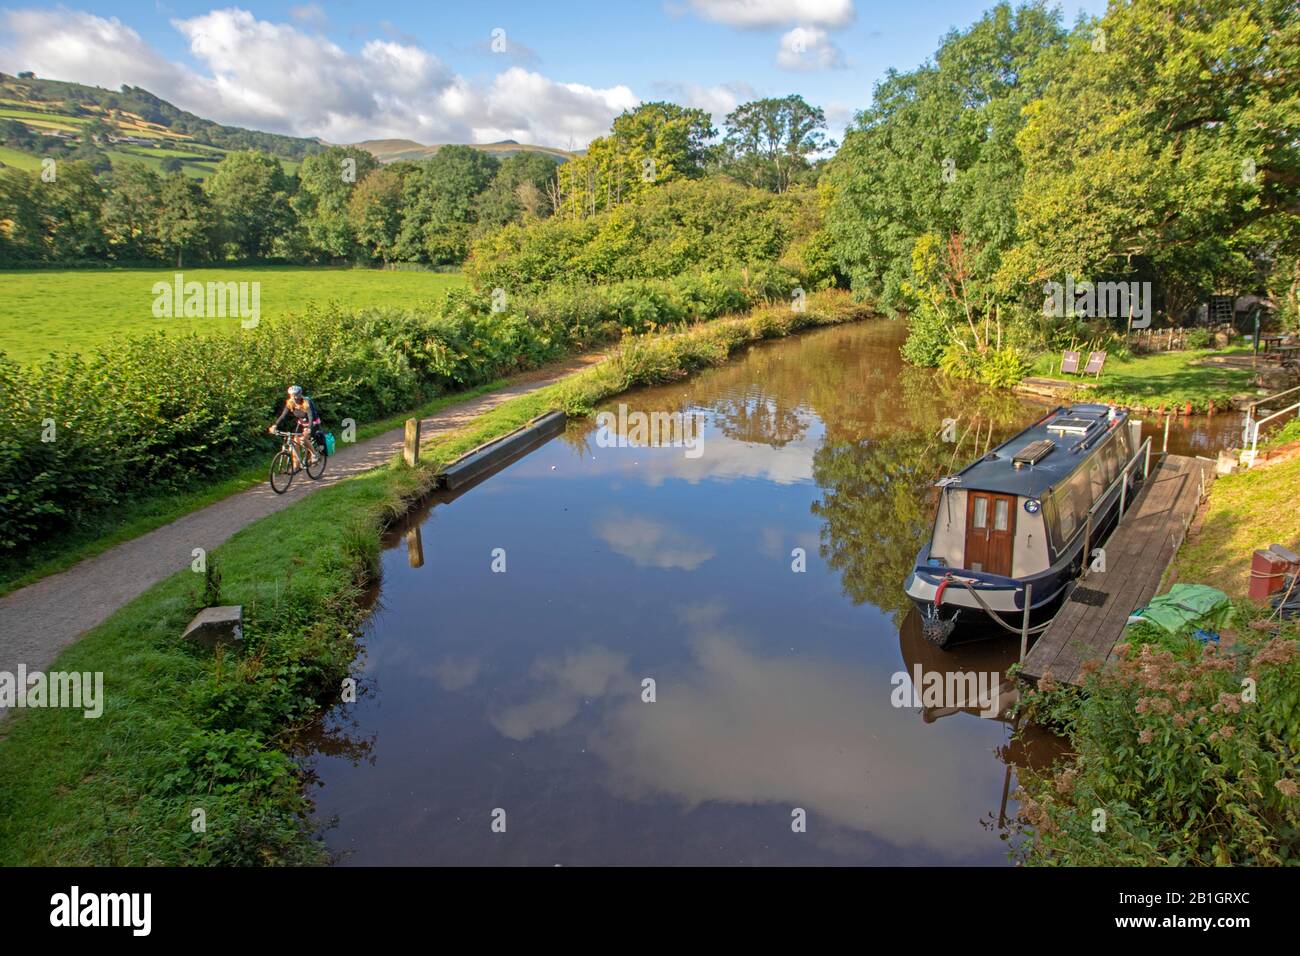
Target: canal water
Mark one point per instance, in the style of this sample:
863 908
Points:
611 653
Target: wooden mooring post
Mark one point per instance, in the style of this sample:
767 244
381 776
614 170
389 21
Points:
411 446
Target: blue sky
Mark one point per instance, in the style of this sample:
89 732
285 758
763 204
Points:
351 70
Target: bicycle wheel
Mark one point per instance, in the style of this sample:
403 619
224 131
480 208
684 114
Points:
315 461
281 472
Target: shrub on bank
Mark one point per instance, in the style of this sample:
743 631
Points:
85 434
1191 758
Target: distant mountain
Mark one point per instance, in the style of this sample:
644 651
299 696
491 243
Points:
391 150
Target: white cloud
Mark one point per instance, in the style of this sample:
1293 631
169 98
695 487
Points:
808 48
276 77
775 13
717 100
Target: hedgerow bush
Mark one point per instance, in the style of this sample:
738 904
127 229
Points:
162 412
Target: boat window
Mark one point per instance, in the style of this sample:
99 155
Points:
981 511
1000 514
1097 475
1080 495
1065 520
1122 443
1051 518
1110 460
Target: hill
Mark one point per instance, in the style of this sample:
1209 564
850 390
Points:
52 117
391 150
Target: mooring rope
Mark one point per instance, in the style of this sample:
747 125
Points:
994 614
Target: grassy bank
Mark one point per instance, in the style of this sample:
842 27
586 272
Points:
1188 748
1246 511
1167 379
184 730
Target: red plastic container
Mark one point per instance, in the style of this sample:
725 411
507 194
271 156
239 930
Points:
1267 574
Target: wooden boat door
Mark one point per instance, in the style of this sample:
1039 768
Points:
990 531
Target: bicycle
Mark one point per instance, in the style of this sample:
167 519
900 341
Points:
288 460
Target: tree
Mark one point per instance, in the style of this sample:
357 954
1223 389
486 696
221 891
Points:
935 154
250 194
22 231
186 220
375 211
72 213
517 192
325 185
439 204
131 211
769 141
1166 145
654 144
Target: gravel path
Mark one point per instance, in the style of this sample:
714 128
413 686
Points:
38 621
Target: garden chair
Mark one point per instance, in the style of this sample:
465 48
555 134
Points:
1070 363
1095 362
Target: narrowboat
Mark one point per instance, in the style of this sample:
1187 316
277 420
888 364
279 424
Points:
1021 515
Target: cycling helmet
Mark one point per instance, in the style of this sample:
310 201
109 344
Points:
295 391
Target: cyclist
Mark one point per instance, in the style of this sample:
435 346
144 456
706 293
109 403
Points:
306 419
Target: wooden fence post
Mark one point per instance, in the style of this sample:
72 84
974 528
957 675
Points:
411 447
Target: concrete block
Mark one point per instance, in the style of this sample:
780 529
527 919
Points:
217 625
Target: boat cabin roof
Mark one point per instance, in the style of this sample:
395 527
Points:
1043 455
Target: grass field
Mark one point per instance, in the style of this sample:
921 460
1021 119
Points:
45 311
18 159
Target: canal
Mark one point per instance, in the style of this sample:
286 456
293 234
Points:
613 652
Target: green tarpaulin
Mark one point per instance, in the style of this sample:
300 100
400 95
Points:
1188 606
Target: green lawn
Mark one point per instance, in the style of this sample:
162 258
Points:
67 310
1160 378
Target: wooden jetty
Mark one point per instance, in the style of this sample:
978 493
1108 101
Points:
1091 620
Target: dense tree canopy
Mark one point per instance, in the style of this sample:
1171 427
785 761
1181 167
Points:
251 192
1181 122
325 185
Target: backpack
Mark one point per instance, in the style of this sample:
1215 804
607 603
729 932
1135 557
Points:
327 437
